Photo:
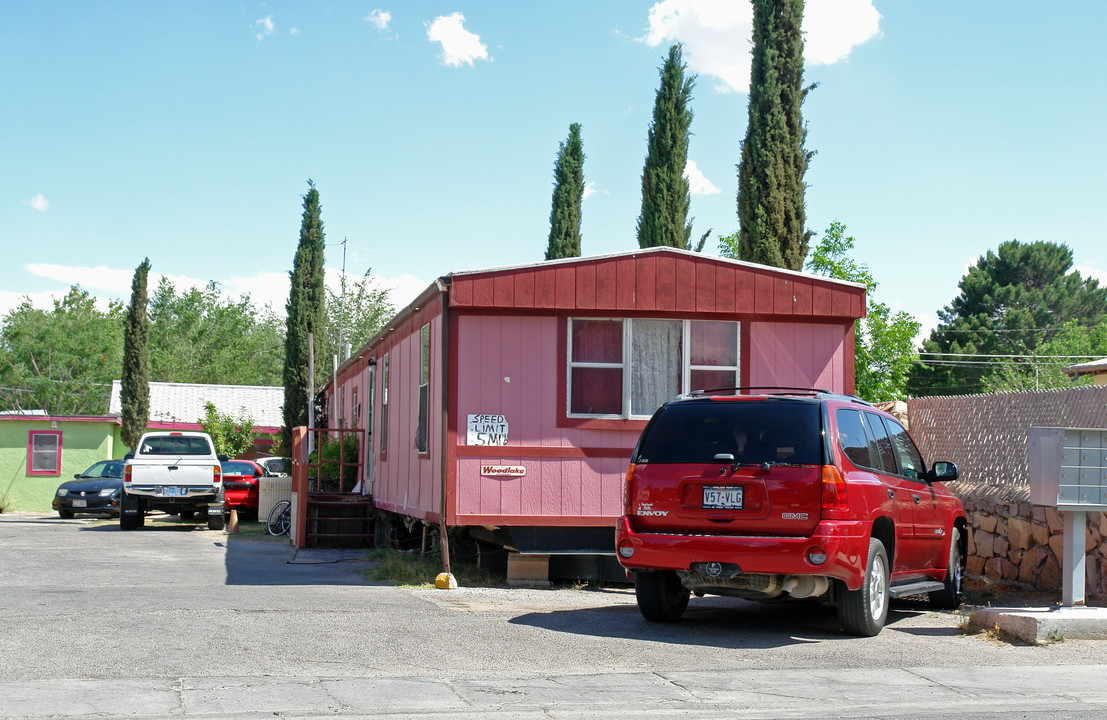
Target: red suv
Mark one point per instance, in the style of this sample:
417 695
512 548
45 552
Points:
803 494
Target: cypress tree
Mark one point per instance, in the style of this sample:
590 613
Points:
134 392
306 310
568 194
665 193
771 214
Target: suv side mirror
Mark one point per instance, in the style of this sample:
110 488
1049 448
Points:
942 470
128 456
222 458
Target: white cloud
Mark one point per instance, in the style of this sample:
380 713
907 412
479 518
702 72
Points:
458 44
1091 272
38 202
263 27
717 36
589 190
698 184
379 18
294 31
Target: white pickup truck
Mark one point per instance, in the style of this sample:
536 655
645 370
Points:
176 472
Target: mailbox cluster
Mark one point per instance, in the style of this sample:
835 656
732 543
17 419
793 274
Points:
1068 468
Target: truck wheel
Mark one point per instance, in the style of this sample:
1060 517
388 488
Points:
216 522
863 612
130 512
661 597
949 597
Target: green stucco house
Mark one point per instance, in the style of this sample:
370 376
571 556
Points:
38 452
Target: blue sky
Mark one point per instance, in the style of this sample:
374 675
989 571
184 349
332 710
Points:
186 132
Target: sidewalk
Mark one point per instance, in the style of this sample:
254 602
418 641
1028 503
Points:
950 692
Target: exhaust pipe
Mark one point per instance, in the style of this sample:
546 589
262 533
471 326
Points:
805 586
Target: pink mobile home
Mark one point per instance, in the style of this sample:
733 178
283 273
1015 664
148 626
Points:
510 399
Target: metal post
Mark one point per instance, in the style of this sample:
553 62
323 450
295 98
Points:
1072 575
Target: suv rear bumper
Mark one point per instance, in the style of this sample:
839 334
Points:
845 542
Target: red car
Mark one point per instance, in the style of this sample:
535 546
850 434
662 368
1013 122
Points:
801 494
240 485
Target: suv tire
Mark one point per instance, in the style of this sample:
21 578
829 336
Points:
949 597
661 597
864 611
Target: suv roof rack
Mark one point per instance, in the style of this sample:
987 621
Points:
786 390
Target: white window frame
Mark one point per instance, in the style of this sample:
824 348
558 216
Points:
628 369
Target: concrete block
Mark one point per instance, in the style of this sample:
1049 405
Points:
1036 625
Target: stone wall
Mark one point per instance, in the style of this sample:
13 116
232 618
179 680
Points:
1016 542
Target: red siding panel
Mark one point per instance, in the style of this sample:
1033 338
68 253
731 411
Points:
461 292
524 290
586 287
782 296
545 293
647 283
801 289
726 296
504 290
665 290
626 278
606 285
764 294
685 272
565 286
705 288
821 304
483 292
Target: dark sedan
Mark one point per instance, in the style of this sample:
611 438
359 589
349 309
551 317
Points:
96 490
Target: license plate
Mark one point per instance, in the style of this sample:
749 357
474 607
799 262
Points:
722 498
172 491
80 503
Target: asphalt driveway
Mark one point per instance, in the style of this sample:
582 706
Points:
179 622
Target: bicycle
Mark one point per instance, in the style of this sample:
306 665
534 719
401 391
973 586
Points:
280 518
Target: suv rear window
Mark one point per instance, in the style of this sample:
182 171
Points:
751 431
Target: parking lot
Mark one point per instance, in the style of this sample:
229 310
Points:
172 621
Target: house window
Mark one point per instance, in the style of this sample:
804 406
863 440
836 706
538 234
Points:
424 388
356 410
44 452
384 405
627 368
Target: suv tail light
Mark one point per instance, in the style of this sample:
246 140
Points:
628 491
834 489
217 475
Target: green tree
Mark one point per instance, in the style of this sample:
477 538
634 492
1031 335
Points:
1043 369
231 436
134 394
306 310
568 194
361 309
884 351
203 336
1011 302
771 216
666 197
61 361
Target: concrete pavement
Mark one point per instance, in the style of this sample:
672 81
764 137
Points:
889 692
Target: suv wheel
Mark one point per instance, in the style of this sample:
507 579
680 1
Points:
949 597
661 597
863 611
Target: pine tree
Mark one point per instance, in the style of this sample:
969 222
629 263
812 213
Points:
665 193
134 392
568 194
306 309
771 215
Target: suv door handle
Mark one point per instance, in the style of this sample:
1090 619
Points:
891 494
915 498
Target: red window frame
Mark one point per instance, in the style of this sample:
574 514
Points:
31 435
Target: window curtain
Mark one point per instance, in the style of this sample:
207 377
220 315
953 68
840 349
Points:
655 364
